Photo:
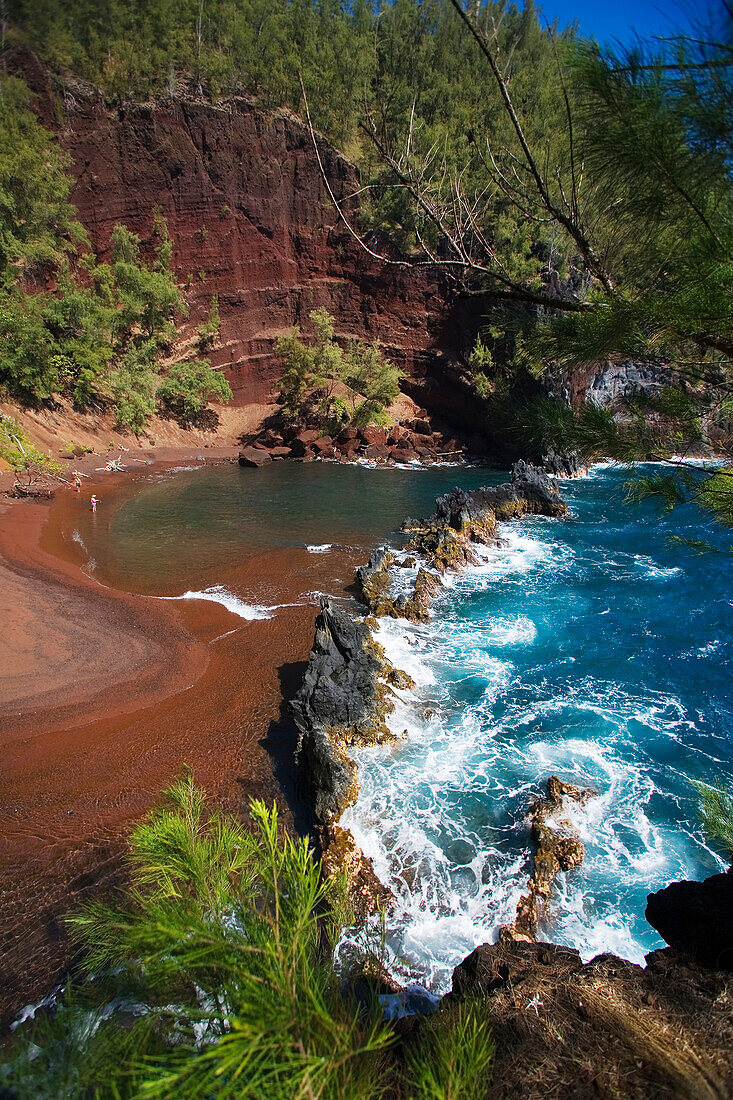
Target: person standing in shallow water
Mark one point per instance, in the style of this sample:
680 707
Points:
93 501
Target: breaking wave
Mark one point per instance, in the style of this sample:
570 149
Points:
563 652
218 594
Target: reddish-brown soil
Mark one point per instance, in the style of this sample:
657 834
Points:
104 696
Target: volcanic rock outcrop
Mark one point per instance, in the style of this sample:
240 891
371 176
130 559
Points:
461 518
342 702
339 704
373 582
558 848
447 540
697 918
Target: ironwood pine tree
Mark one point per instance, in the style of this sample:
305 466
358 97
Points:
626 207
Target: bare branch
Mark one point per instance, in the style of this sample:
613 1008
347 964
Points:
571 225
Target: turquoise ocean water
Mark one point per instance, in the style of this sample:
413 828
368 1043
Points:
592 647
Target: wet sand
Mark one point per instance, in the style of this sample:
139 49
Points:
104 696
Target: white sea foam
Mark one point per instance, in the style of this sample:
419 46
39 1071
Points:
76 537
653 570
406 645
321 548
519 631
218 594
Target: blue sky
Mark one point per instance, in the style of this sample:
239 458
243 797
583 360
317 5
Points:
607 20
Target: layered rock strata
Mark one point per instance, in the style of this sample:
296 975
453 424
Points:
249 212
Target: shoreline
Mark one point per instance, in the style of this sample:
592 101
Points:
105 696
353 685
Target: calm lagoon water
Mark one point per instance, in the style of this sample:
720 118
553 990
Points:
196 523
592 647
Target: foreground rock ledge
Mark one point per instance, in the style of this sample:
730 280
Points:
697 918
605 1029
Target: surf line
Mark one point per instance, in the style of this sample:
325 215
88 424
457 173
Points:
217 593
350 686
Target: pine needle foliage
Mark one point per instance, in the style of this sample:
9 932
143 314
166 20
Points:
213 977
452 1057
716 809
228 938
697 546
665 488
716 495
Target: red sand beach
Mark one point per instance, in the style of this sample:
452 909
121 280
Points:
104 696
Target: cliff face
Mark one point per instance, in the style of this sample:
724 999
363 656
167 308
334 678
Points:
251 219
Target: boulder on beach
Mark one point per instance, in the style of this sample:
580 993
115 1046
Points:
254 457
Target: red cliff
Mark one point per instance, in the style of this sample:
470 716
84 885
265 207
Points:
251 219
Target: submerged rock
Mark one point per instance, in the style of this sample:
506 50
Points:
697 918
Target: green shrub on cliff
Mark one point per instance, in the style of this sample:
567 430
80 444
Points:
451 1059
209 330
188 386
70 324
331 385
213 977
